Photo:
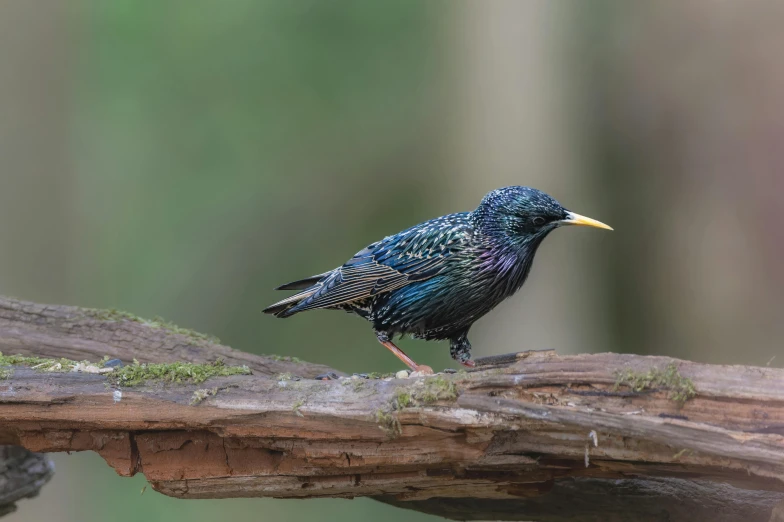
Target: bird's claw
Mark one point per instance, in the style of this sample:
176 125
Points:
422 369
468 363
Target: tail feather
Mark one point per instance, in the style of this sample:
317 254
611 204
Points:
302 284
280 308
285 307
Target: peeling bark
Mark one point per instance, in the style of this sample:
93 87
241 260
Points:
526 436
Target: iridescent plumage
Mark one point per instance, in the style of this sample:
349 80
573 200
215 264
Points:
435 279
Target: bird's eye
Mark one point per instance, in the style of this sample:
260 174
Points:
538 221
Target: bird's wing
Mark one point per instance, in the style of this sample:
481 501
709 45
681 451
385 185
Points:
415 254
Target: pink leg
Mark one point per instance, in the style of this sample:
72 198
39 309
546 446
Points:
408 361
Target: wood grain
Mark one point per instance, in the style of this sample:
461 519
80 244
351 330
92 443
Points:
510 441
80 333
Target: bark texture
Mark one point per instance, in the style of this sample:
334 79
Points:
528 436
82 333
22 474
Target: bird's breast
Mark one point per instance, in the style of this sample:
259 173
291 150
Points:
465 290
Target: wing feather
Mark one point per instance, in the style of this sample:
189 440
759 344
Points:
416 254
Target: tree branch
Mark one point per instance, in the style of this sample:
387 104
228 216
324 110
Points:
22 474
530 435
82 333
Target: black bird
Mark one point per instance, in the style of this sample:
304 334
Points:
435 279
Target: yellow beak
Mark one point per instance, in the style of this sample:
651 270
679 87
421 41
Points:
577 219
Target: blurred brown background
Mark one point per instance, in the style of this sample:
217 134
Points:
182 158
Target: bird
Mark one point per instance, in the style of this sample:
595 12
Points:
433 280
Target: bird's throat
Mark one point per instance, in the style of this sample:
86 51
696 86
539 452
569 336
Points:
511 264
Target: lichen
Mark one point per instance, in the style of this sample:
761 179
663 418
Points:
284 376
680 388
6 373
177 372
200 395
388 422
112 315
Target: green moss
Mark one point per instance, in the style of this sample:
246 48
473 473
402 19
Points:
403 399
438 388
131 374
377 375
39 363
10 360
113 315
433 389
178 372
388 422
284 376
200 395
6 373
681 389
284 358
297 405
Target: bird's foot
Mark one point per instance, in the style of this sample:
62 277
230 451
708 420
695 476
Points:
468 363
419 369
422 369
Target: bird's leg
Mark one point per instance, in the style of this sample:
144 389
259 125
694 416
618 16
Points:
408 361
460 350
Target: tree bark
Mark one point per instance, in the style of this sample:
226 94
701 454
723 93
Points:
22 474
83 333
526 436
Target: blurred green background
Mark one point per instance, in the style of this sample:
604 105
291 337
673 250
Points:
182 158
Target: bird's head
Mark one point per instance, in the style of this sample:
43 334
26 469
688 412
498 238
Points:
524 214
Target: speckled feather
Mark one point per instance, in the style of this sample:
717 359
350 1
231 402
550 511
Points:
435 279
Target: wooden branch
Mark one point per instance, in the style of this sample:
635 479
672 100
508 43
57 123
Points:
81 333
22 474
526 436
